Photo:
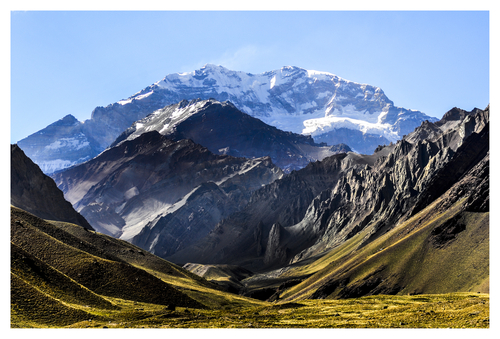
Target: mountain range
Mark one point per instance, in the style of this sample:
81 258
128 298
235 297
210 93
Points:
197 212
239 210
177 190
224 129
319 104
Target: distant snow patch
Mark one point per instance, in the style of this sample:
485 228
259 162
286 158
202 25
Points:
52 166
75 143
315 127
138 97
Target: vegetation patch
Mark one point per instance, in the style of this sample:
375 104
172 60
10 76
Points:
457 310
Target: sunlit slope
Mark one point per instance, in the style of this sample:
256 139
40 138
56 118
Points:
429 253
198 288
130 253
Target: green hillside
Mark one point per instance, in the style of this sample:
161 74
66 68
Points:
429 253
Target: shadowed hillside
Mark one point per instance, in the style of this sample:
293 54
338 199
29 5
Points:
37 193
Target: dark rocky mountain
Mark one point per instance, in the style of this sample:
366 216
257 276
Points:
162 194
317 104
283 202
224 129
367 194
413 217
33 191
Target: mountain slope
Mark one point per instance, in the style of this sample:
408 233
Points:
291 98
37 193
62 144
162 194
65 275
436 251
370 194
439 247
284 202
53 265
224 129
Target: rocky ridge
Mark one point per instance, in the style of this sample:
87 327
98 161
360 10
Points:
224 129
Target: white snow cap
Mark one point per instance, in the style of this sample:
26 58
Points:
290 98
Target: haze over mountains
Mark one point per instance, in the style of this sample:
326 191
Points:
328 108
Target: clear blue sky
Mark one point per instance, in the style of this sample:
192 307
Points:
70 62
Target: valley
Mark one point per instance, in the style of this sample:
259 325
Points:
44 297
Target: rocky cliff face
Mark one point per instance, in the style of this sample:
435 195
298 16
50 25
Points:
162 194
370 193
318 104
282 202
34 192
275 251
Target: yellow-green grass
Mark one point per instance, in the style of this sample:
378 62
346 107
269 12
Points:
51 282
406 257
36 302
30 307
128 252
456 310
210 297
190 284
81 275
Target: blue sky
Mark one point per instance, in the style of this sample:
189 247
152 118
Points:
71 62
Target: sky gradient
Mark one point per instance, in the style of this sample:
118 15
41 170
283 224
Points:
71 62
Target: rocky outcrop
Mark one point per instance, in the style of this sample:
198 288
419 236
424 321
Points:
246 232
398 185
34 192
275 251
227 277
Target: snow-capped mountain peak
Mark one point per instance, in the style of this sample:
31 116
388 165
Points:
320 104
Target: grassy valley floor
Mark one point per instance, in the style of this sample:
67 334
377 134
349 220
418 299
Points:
456 310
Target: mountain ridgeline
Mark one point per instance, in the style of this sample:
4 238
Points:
321 105
172 192
34 192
